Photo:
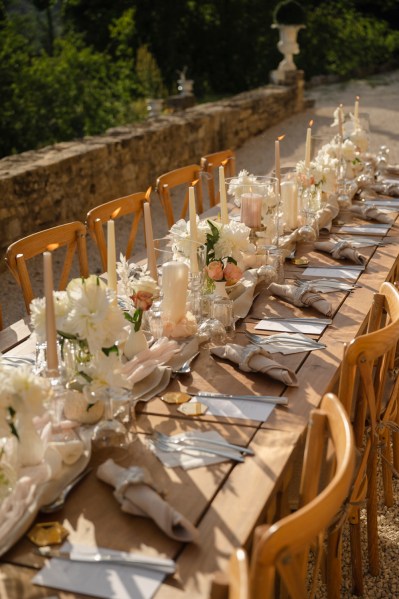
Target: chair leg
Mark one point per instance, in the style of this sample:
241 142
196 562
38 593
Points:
395 444
386 460
334 564
372 505
356 555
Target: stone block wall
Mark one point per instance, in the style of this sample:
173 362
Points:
60 183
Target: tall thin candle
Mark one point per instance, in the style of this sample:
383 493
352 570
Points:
111 255
149 239
356 112
224 215
308 144
51 330
193 230
277 160
341 122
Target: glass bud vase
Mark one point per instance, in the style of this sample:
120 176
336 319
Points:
220 289
135 343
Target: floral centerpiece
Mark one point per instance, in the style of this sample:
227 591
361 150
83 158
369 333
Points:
91 326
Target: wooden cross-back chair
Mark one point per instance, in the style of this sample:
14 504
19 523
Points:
186 176
210 162
367 395
98 216
280 551
1 319
72 236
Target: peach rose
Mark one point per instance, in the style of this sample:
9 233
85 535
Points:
142 300
215 270
232 273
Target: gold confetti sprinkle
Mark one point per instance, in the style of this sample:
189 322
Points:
47 533
175 397
193 409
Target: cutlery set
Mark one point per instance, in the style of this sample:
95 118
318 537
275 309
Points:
285 340
192 445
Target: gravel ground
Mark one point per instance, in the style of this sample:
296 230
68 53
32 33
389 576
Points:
379 98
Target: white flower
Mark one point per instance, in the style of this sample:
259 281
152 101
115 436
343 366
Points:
233 240
93 316
146 284
348 150
180 236
22 390
106 371
38 313
242 184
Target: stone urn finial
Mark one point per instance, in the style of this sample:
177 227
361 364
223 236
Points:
184 85
289 17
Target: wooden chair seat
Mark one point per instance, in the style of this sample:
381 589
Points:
211 162
98 216
71 236
185 176
281 550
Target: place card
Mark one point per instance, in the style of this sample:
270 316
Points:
287 326
100 579
374 229
236 408
339 272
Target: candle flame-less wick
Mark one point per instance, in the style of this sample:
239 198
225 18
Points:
52 246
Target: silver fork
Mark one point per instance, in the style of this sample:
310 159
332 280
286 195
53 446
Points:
282 340
173 447
182 437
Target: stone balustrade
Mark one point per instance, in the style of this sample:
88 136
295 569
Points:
60 183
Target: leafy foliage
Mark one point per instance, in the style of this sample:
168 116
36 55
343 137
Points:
76 67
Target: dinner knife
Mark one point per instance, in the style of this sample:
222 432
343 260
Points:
259 398
122 558
297 319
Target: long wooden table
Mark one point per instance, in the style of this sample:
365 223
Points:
224 501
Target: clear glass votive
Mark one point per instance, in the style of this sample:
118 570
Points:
222 310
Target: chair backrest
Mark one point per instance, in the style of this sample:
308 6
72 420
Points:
210 162
98 216
72 236
1 319
282 548
366 362
187 176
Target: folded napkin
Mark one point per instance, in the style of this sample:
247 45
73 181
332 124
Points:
185 351
372 213
300 297
242 293
146 361
341 250
136 494
326 214
251 358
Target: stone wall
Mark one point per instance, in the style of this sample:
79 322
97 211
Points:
61 183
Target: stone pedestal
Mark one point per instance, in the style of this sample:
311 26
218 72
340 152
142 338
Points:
180 102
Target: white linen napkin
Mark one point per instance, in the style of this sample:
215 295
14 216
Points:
301 297
372 213
340 250
144 363
135 492
251 358
108 581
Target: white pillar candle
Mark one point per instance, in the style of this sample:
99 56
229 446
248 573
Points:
277 161
224 216
174 287
289 200
308 144
149 240
193 230
111 255
51 330
356 113
251 209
